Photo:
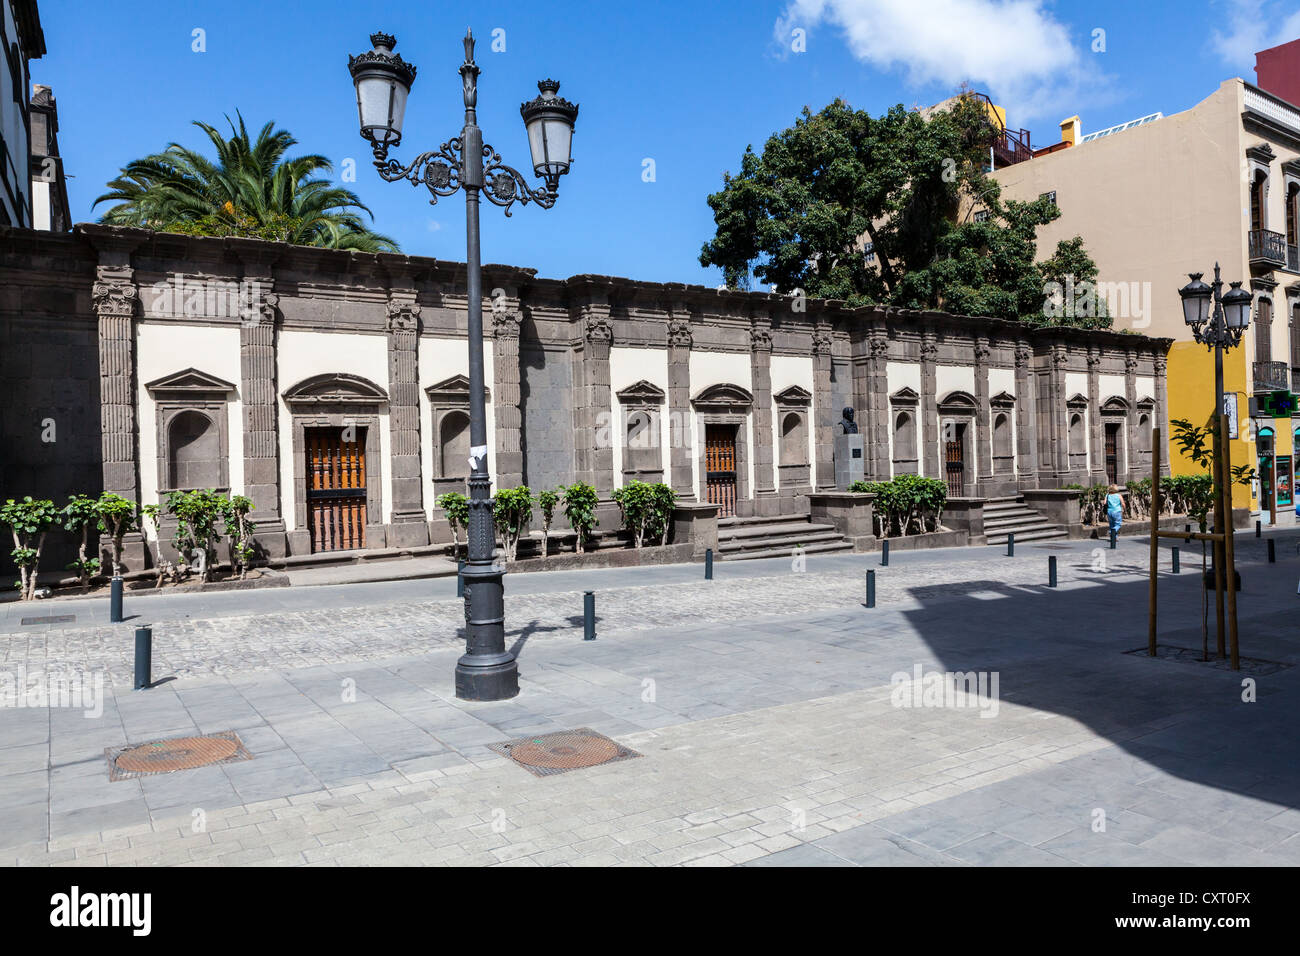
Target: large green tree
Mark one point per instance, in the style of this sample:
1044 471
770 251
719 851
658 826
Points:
846 205
251 189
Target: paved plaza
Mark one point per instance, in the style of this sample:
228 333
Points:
766 706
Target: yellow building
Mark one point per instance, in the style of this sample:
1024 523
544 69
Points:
1164 196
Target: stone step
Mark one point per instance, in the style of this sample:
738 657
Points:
1003 521
829 547
734 533
755 521
728 548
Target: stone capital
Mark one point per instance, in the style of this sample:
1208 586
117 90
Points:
114 296
403 316
679 333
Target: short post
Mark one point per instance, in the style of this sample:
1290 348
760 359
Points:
588 615
1011 544
1051 571
1176 569
1112 540
115 600
460 578
1257 529
871 588
143 657
1272 555
708 564
884 553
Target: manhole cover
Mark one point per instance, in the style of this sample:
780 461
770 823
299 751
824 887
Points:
562 751
52 619
174 753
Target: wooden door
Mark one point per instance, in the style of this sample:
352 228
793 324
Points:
1112 453
336 489
720 467
954 461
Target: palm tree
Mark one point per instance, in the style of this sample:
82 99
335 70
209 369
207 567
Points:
251 190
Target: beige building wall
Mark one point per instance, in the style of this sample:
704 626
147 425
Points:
1152 203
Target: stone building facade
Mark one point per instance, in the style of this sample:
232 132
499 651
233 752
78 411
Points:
331 387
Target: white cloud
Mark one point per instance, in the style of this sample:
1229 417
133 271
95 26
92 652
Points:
434 225
1253 25
1014 50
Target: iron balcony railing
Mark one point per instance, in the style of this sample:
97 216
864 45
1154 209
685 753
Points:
1271 377
1267 246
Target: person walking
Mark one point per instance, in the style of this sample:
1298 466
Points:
1114 509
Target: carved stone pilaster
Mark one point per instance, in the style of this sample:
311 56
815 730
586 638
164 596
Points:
1054 435
983 443
1096 454
1133 469
824 414
760 365
114 297
1026 419
930 431
680 439
1162 410
875 411
595 425
507 317
258 378
410 527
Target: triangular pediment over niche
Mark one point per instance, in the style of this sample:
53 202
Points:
724 394
454 389
189 381
641 393
794 395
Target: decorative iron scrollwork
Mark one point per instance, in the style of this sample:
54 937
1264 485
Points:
441 172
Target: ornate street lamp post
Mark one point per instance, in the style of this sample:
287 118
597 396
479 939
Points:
1218 328
487 670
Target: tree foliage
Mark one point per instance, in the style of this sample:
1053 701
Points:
647 509
252 189
455 508
29 521
512 513
580 500
800 215
906 504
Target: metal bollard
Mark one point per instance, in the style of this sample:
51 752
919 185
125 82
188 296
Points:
1011 544
871 588
143 657
1176 568
1257 528
1112 540
115 600
1051 571
460 578
708 564
1272 554
588 615
884 553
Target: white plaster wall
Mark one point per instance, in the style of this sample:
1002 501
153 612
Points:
1146 387
907 375
627 366
1002 380
440 359
1076 383
790 370
166 347
716 368
1108 385
951 378
301 355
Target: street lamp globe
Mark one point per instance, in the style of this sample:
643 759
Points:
383 80
1196 300
1236 307
549 120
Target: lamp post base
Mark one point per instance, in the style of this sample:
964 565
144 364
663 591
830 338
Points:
487 677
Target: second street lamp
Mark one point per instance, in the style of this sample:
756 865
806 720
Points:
487 670
1218 321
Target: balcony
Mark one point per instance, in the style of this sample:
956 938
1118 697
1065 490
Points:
1271 377
1267 248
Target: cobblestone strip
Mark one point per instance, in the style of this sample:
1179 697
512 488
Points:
230 646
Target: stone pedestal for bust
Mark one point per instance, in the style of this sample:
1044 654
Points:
850 466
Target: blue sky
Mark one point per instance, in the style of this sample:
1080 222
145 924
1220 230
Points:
685 84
